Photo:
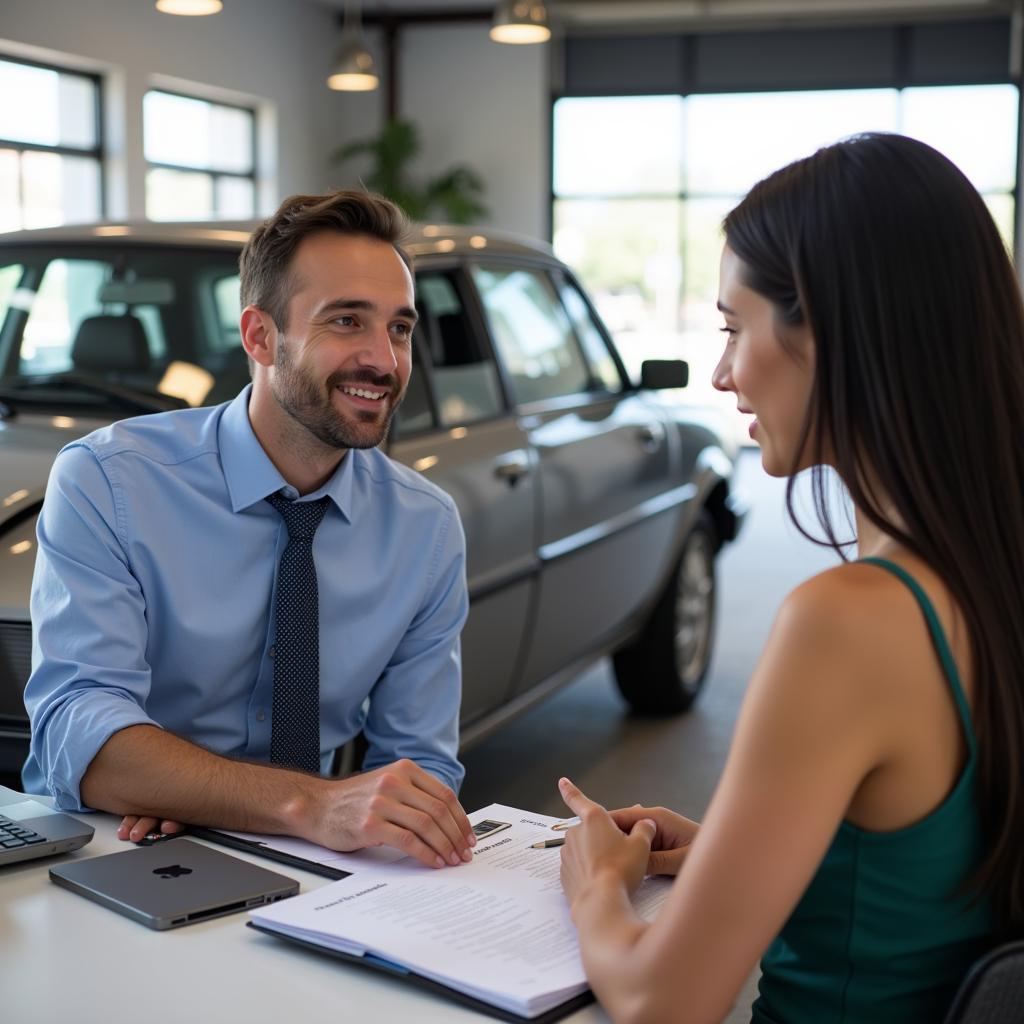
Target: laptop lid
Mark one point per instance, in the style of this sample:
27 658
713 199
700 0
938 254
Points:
29 829
174 883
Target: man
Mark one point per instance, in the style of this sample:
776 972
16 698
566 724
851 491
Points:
220 587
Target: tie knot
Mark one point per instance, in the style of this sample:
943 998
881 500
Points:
301 517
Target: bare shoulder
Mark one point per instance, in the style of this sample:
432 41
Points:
848 625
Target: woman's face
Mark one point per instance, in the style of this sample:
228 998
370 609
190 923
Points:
770 380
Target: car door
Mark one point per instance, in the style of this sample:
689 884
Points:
456 428
606 460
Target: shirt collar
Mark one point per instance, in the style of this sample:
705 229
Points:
250 475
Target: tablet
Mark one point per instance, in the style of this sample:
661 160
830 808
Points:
175 883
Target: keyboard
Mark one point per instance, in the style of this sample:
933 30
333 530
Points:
14 834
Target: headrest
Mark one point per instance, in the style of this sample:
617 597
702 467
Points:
111 344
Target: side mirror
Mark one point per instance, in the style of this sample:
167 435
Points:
657 374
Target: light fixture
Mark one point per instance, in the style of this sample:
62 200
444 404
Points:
353 67
520 21
190 8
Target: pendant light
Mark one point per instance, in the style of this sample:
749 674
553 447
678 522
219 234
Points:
353 67
190 8
520 21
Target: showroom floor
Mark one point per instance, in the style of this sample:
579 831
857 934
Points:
585 733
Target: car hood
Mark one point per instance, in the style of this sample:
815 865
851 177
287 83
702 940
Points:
28 444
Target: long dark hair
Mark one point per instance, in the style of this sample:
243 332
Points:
885 250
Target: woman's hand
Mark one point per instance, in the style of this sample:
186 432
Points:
598 846
671 842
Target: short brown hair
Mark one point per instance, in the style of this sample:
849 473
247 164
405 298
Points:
267 256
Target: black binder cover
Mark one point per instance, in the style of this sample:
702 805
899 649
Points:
451 994
259 850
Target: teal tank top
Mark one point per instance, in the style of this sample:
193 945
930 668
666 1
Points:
883 933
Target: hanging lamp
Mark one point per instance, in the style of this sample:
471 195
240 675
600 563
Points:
353 67
520 21
190 8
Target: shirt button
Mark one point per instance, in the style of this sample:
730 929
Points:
260 715
272 652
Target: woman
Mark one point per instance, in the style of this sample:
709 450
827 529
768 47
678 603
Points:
870 817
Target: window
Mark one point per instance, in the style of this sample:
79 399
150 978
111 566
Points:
644 230
201 157
533 333
50 147
461 380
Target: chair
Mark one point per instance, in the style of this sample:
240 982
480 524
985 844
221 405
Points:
992 992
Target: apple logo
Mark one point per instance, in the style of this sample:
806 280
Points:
172 871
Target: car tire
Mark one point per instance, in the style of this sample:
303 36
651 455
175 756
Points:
662 671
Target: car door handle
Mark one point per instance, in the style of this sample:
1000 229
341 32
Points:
512 467
650 436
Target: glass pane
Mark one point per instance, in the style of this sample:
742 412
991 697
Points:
232 143
732 141
67 295
53 108
229 308
974 125
10 275
627 254
602 367
59 189
10 190
195 133
532 331
178 195
465 380
235 198
1002 209
628 145
414 413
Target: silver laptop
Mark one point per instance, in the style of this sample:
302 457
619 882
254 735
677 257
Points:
174 883
28 829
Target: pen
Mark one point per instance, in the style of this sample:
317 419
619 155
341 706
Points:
563 825
548 843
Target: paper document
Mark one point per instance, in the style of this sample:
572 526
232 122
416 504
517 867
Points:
497 929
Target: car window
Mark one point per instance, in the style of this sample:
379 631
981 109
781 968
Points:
533 333
415 412
226 297
146 317
463 375
604 372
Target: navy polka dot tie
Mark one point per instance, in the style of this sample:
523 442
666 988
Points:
295 727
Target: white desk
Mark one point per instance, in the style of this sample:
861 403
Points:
65 960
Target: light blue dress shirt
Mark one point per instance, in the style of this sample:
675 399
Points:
153 600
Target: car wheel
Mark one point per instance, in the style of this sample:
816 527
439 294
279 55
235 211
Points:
663 669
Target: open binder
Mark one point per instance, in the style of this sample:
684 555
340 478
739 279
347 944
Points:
494 934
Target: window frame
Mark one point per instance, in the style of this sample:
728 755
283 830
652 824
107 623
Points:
95 152
214 175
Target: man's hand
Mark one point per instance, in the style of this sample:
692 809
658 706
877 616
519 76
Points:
136 828
399 805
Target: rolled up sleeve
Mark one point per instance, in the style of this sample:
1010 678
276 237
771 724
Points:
90 677
414 707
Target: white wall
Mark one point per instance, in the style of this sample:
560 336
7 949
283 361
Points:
475 102
276 51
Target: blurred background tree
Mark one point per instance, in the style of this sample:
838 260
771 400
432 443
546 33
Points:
454 195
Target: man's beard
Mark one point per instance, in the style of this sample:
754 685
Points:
311 404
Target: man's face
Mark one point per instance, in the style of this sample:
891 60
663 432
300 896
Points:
343 360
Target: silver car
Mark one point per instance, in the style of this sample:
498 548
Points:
593 506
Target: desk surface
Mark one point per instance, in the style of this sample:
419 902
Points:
63 958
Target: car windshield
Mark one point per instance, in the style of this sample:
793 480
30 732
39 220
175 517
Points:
131 327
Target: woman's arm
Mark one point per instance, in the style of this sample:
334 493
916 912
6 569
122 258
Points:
812 727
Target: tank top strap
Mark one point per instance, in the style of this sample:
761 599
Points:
938 635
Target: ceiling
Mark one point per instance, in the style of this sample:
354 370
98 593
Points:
598 13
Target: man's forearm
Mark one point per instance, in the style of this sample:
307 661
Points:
144 770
